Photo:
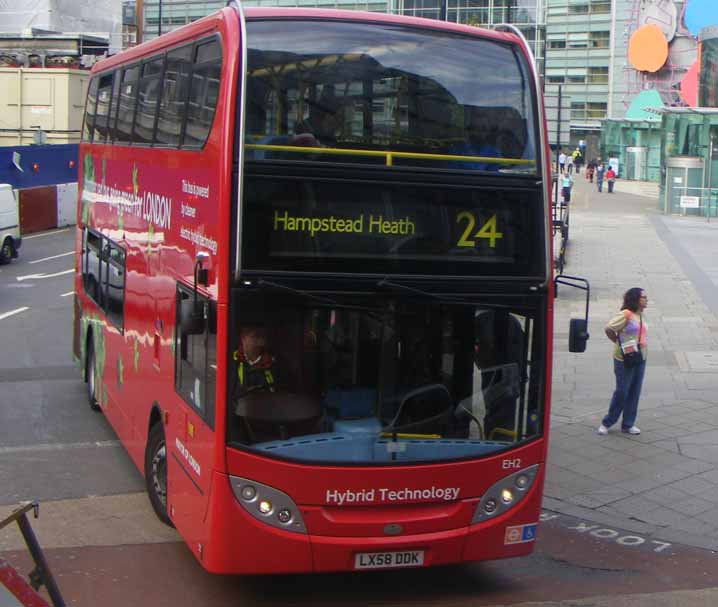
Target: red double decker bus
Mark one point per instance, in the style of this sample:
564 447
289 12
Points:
313 286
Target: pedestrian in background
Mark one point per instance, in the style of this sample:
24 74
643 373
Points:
610 178
599 176
561 161
566 184
590 168
569 164
628 331
577 160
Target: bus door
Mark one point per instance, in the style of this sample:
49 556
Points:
190 427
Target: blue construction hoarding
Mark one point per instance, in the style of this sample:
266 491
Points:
31 166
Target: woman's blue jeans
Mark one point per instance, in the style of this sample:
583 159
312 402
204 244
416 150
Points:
626 395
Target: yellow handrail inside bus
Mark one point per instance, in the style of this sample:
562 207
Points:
407 435
503 431
388 155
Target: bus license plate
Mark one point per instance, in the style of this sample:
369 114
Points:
381 560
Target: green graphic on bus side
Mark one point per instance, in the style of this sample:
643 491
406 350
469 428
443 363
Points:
88 182
136 355
120 372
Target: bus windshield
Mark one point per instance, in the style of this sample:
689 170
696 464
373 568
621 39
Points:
342 380
387 94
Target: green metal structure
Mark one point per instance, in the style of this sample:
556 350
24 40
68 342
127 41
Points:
636 144
689 153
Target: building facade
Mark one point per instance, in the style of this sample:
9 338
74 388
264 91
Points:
580 48
160 16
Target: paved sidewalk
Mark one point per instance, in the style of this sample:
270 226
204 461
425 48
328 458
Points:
663 483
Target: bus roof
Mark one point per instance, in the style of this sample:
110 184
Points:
213 22
347 15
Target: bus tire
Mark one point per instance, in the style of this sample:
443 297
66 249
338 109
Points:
156 472
7 251
90 376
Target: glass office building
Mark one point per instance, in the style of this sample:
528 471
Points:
528 15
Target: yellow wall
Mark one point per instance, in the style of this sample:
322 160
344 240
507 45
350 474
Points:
51 100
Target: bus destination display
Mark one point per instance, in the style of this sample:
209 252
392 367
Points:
315 226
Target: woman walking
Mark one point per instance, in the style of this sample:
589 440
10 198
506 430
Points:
627 330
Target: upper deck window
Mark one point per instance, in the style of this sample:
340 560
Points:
90 110
166 100
175 90
126 109
355 91
203 94
147 100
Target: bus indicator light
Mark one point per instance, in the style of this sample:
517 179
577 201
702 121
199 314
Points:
284 516
507 496
248 493
522 481
265 507
490 506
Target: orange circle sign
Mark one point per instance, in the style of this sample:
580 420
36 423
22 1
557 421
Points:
648 48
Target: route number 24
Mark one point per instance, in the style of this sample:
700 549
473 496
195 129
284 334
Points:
488 230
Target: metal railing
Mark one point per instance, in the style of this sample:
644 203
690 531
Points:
41 575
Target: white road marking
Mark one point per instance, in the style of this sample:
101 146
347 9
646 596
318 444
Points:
13 312
59 446
67 294
53 257
46 234
36 276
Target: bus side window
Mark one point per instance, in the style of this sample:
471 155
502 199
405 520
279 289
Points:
173 102
114 296
114 104
147 100
203 95
126 109
196 358
89 126
91 265
102 115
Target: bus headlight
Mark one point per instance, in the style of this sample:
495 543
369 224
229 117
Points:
505 494
262 502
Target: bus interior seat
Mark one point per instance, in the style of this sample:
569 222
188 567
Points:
279 415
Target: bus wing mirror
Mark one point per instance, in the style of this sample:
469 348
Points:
192 318
578 327
577 335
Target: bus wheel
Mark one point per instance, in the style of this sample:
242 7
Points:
156 472
90 377
6 251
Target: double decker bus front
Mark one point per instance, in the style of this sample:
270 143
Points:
388 322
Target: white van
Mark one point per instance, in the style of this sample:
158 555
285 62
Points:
10 240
